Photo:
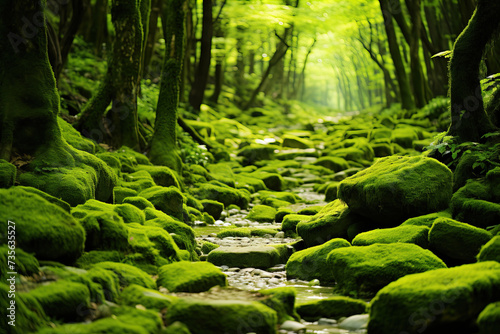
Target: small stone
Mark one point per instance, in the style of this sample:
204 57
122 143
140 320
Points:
234 269
292 326
280 235
355 322
313 282
326 321
265 274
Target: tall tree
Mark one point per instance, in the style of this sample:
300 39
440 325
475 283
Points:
164 143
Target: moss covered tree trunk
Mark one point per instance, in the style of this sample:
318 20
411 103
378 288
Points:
469 120
119 126
29 107
164 143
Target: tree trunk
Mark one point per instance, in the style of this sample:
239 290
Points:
468 118
199 85
120 86
417 75
404 86
164 143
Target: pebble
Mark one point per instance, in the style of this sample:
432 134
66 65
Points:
293 326
313 282
325 321
355 322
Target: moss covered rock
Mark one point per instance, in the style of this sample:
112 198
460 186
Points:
8 174
437 301
366 269
144 239
223 316
240 232
426 220
162 176
296 142
273 181
63 300
139 202
190 277
290 222
311 263
336 164
245 257
412 234
281 213
490 251
457 241
120 193
331 192
331 222
213 208
478 202
25 263
253 153
262 214
101 326
223 194
128 274
208 246
27 315
74 138
333 307
397 188
489 319
152 299
88 259
280 195
404 136
138 181
177 328
182 234
282 300
169 200
42 228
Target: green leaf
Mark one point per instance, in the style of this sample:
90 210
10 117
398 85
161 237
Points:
445 54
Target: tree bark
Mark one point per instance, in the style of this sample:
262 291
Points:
468 118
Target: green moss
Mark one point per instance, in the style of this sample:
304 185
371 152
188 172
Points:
222 172
310 210
28 313
407 234
62 300
208 246
54 200
126 153
182 234
397 188
245 257
331 222
104 228
489 319
246 181
223 194
282 195
426 220
139 202
240 232
296 142
253 153
112 161
120 193
169 200
8 174
490 251
74 138
443 300
128 274
147 239
273 181
276 203
477 202
138 181
282 300
108 280
331 308
365 270
177 328
457 241
162 176
137 295
290 222
262 214
311 263
101 326
281 214
213 208
220 316
404 136
260 232
25 263
41 227
382 150
336 164
331 192
149 320
190 277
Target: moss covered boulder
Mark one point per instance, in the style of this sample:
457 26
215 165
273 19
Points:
8 174
397 188
437 301
490 251
331 222
363 270
412 234
478 202
456 241
151 299
311 263
128 274
190 277
290 222
223 194
427 220
282 300
333 307
223 316
213 208
262 214
42 228
146 239
63 300
182 233
336 164
166 199
489 319
245 257
25 263
162 176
